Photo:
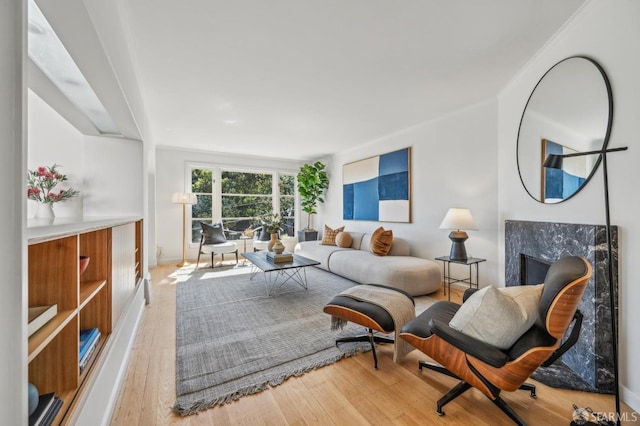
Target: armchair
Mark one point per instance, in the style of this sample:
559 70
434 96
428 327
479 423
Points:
486 367
213 240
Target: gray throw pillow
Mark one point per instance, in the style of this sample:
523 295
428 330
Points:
213 234
499 316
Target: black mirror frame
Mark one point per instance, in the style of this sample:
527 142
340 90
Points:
606 138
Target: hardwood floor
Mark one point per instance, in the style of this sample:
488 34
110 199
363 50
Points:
347 392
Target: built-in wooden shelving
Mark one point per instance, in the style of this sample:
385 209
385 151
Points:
83 301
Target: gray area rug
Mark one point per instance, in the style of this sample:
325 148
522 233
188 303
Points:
232 340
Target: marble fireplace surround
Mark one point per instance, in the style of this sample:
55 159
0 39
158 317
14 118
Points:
589 360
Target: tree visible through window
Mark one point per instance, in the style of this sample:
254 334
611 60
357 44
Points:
245 196
202 186
240 199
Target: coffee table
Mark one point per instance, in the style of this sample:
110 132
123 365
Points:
277 274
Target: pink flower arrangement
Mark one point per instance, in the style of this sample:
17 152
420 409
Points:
41 183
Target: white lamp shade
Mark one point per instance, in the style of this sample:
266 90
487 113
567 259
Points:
459 219
184 198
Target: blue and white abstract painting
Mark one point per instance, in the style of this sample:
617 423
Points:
378 188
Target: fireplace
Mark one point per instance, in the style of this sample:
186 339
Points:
532 270
531 246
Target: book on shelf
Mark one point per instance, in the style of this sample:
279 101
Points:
52 412
48 407
39 316
280 258
88 341
83 361
87 338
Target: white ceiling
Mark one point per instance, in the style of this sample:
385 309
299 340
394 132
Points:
300 79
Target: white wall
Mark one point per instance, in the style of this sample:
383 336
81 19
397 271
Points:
13 313
112 177
453 164
107 171
607 31
53 140
170 177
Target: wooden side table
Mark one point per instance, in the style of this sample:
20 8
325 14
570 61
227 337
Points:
446 272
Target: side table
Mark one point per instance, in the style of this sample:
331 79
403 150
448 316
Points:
446 272
244 239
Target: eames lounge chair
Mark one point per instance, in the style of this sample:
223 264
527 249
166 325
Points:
491 369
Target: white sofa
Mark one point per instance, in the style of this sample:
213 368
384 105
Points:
398 269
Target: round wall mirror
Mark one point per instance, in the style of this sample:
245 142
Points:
569 111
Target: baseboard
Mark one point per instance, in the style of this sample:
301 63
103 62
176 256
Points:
630 398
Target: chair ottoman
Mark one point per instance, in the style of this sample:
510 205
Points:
370 315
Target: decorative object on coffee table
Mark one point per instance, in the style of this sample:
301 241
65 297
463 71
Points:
272 242
277 247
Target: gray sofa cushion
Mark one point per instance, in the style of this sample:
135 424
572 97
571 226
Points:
318 252
414 275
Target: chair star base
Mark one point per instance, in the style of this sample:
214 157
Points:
463 386
371 338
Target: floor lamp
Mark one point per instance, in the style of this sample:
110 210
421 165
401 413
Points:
554 161
184 198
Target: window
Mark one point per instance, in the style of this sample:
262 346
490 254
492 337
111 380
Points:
287 203
239 198
244 197
202 211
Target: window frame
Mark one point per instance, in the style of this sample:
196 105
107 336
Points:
216 188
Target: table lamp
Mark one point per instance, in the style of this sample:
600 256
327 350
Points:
183 198
458 220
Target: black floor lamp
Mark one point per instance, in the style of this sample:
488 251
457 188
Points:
554 161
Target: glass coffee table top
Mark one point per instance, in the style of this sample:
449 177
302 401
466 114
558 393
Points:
277 274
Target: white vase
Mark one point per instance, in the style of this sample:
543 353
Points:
45 211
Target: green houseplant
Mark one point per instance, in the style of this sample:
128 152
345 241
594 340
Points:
312 182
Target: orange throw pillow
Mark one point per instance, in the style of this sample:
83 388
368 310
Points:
329 235
381 241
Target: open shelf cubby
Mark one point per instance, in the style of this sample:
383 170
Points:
83 301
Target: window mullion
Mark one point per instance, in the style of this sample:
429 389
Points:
216 205
275 192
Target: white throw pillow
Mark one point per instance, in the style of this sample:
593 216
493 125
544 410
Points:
499 316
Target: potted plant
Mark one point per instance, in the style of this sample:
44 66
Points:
312 182
272 224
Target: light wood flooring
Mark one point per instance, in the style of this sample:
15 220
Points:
349 392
